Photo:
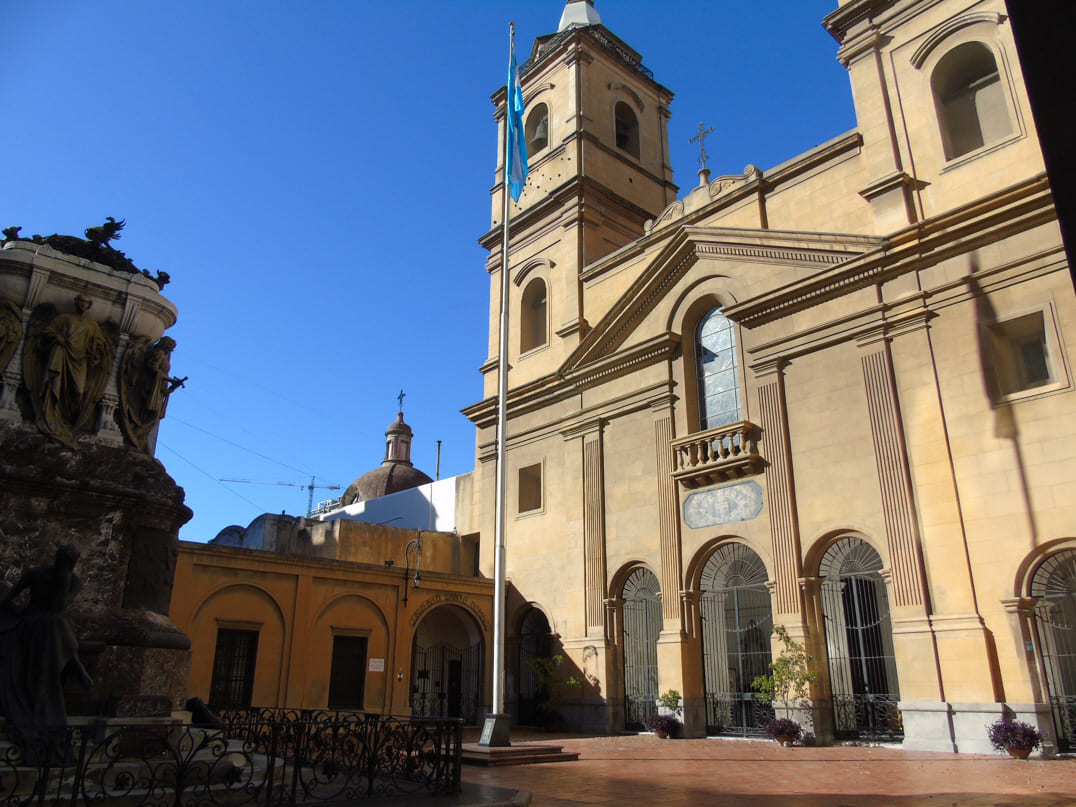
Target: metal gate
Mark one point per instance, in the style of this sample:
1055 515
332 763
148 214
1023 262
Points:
446 681
859 642
1054 584
737 619
535 642
642 624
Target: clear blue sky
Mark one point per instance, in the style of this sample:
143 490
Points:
314 176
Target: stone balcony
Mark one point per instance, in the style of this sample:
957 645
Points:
717 455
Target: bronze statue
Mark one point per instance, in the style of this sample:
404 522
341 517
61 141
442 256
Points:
145 385
103 233
37 647
66 364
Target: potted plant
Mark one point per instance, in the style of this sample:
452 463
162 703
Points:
670 701
784 730
789 681
664 726
1018 738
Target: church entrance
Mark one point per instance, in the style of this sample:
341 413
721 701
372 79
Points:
1054 586
859 642
737 619
642 624
535 647
446 666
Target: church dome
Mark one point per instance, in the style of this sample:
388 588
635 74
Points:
395 473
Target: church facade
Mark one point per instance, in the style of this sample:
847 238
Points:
833 395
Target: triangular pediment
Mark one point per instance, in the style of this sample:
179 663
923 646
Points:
812 252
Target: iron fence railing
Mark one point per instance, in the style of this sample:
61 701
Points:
256 757
1064 709
868 717
738 714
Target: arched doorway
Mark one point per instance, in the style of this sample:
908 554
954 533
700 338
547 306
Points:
737 619
535 646
642 624
859 643
446 665
1054 585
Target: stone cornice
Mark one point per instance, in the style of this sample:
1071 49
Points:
986 220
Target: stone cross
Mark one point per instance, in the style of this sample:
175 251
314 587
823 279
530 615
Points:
701 139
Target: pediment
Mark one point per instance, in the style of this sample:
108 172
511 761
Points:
813 252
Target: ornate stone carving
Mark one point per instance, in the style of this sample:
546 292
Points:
66 365
145 385
10 332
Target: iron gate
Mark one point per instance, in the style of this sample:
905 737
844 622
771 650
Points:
642 624
446 681
859 642
737 619
1054 584
535 642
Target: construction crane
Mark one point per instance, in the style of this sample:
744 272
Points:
311 487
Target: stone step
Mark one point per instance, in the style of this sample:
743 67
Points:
522 754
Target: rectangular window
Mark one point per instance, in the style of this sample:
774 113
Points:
1022 354
530 488
233 668
347 678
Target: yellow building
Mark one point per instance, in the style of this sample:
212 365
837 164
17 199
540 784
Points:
833 394
333 612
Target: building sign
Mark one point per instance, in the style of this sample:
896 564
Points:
377 665
711 508
453 597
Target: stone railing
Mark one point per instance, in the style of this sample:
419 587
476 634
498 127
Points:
716 455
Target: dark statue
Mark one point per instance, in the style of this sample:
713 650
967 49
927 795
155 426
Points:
37 648
94 247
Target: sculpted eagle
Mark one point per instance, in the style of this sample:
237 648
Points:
103 233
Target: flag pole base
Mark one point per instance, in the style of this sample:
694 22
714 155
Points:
495 731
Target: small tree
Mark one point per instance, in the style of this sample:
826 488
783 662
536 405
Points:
790 676
549 679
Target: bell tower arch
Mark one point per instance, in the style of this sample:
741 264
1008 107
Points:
596 124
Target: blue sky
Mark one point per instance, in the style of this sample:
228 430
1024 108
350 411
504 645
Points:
314 176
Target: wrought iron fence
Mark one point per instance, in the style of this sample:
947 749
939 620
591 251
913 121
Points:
738 714
258 757
1064 709
638 709
868 717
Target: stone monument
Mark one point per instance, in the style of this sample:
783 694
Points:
86 376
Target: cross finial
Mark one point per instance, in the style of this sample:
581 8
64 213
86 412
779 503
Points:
700 138
400 398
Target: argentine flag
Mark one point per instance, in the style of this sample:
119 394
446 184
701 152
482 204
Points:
516 169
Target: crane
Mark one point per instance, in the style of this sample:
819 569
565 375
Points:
311 487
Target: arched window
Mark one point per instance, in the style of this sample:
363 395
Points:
717 371
533 316
627 129
859 642
970 99
737 621
537 129
1054 588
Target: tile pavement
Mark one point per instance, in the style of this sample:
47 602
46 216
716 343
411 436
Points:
641 769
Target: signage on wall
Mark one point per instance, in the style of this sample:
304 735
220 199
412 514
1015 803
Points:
377 665
451 597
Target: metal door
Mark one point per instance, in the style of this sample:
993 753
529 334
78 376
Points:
1054 584
642 624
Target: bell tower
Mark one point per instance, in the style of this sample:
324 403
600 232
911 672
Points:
595 122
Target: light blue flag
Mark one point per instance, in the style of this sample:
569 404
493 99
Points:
517 145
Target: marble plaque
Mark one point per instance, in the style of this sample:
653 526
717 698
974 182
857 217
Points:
710 508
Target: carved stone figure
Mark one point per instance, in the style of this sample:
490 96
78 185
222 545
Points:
37 647
103 233
10 332
145 385
66 364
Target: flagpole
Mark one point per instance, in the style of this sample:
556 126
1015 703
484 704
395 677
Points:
495 732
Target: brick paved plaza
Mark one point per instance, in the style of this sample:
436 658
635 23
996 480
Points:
641 769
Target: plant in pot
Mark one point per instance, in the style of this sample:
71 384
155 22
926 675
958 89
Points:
789 682
553 685
664 726
1018 738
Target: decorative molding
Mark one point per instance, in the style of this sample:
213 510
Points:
946 29
530 266
618 85
724 184
594 570
784 526
725 505
668 516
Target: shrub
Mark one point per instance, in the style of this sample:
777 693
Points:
663 724
670 700
790 674
1007 733
783 728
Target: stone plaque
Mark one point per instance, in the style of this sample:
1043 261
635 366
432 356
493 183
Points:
711 508
377 665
